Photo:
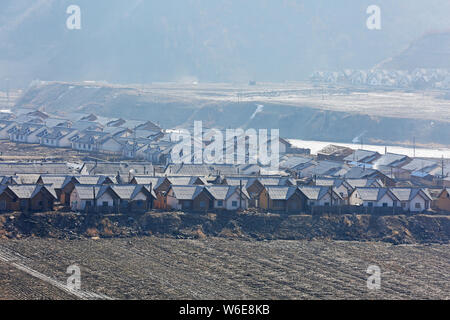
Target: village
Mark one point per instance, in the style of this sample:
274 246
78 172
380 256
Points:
126 166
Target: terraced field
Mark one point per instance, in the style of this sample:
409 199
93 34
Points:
157 268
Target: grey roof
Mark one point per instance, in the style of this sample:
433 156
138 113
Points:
420 165
323 168
26 178
407 194
281 192
236 181
360 183
29 191
314 192
200 169
13 168
147 180
55 181
187 192
57 133
276 181
360 173
328 182
390 159
362 156
124 168
292 162
86 192
374 194
150 126
185 180
223 192
127 192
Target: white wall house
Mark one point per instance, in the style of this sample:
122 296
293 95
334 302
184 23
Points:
373 197
228 197
59 139
5 126
321 196
110 145
413 199
27 134
82 197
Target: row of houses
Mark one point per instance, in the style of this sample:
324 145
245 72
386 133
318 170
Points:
142 140
391 168
87 133
418 78
39 192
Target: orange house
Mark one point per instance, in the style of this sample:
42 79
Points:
442 202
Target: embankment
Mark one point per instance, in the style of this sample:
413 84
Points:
394 229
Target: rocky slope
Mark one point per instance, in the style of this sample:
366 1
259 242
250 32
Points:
393 229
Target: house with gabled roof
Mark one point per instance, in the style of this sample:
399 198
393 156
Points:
110 145
251 184
58 137
413 199
229 197
374 197
33 197
26 178
340 186
88 140
5 127
133 197
282 198
26 133
321 196
93 198
365 173
365 183
362 156
196 198
8 199
441 199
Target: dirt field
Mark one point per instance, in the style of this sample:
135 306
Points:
156 268
10 151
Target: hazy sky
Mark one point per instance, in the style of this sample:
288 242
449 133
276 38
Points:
208 40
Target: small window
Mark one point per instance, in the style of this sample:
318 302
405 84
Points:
105 203
370 204
327 204
234 203
418 205
202 204
220 203
385 205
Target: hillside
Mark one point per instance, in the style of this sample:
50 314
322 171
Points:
299 110
430 51
143 41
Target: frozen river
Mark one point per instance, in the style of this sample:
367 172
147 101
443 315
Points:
315 146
